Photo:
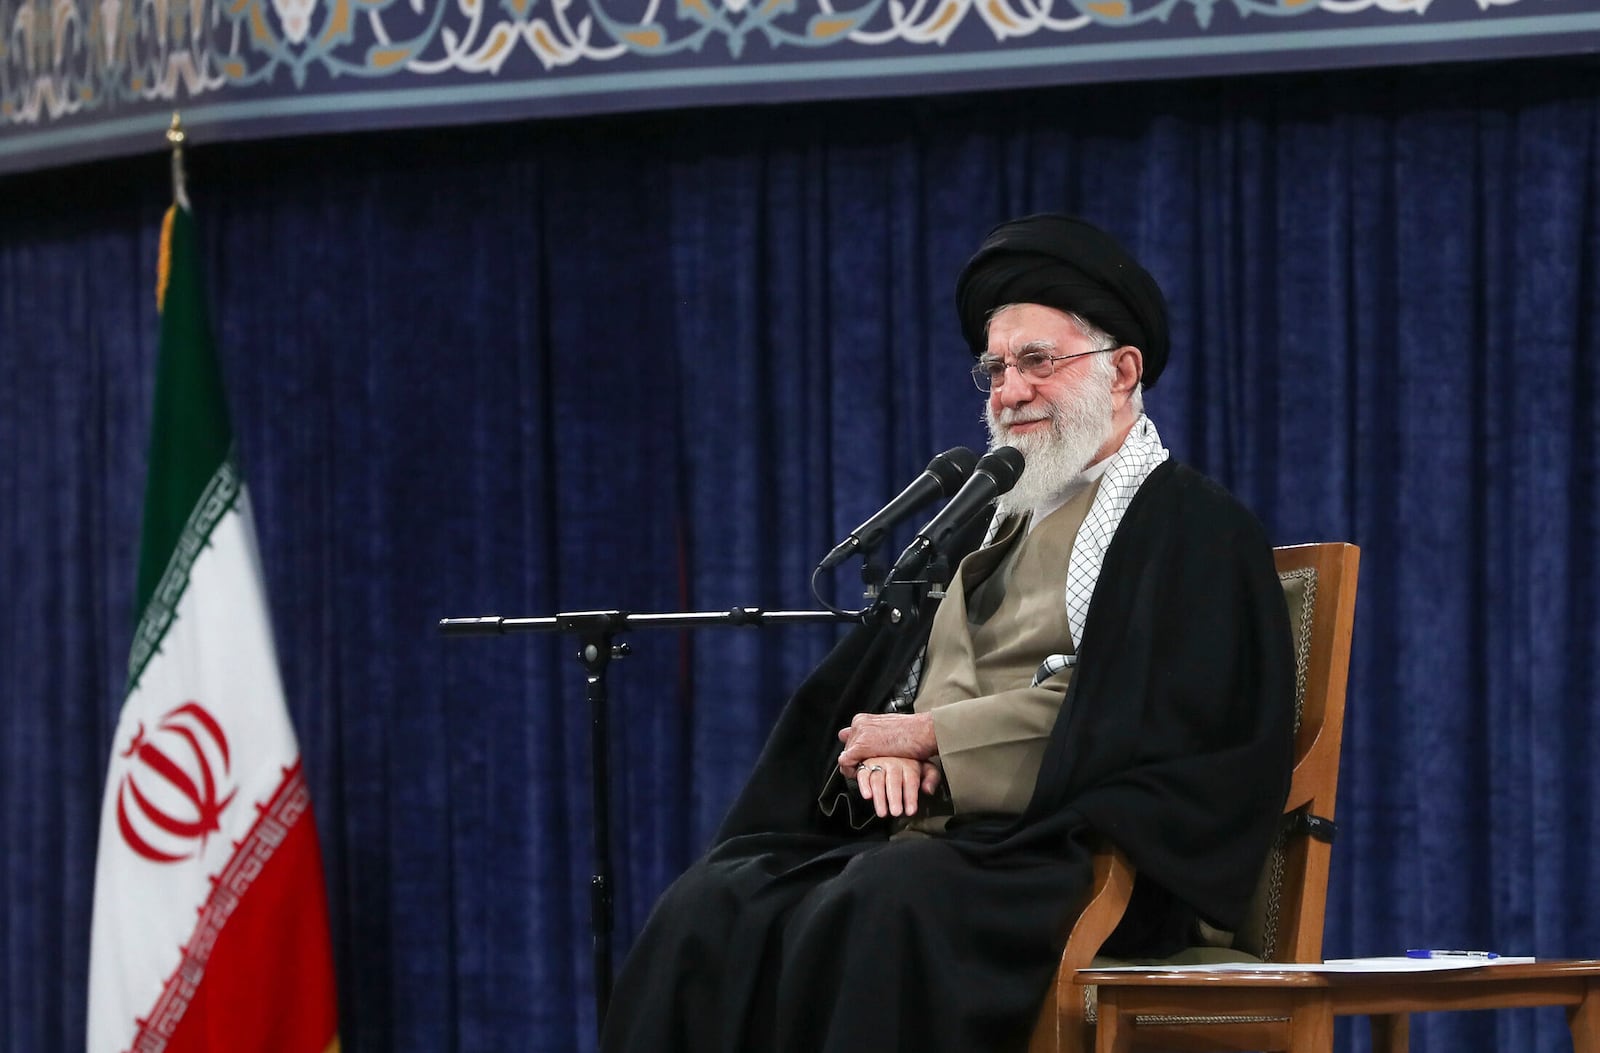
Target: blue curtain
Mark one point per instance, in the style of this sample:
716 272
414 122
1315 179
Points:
665 362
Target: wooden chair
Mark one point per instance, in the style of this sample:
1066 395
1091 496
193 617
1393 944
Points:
1285 919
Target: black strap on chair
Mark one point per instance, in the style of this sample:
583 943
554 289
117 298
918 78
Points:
1313 826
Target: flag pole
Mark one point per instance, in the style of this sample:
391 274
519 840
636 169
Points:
176 138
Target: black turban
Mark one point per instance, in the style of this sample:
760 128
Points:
1063 262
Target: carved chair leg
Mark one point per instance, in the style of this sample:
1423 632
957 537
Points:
1062 1025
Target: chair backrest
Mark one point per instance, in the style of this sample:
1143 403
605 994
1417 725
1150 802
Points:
1284 923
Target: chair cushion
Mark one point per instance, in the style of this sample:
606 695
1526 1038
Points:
1300 595
1258 934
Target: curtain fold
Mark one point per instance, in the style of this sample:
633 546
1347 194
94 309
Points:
665 362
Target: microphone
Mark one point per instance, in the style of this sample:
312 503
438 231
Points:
997 472
942 477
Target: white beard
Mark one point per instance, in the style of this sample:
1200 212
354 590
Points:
1080 424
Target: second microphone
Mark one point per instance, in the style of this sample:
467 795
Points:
997 472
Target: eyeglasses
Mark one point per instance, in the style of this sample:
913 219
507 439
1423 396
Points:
990 373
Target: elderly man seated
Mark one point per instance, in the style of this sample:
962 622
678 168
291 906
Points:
1112 660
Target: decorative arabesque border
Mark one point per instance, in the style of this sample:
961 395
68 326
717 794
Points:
67 59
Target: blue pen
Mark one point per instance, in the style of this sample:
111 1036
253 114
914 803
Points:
1420 952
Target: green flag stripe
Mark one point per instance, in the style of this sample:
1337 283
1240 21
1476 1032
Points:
189 431
216 500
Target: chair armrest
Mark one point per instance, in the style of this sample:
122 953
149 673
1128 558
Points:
1109 892
1062 1020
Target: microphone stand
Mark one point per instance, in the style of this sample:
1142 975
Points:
902 603
596 631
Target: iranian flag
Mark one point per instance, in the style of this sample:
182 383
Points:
210 918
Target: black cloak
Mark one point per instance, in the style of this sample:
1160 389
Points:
795 934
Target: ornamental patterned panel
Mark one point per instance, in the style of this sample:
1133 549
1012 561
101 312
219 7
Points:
90 78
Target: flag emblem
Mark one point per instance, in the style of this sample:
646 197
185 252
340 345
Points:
170 798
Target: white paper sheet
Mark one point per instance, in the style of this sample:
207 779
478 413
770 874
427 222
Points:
1394 964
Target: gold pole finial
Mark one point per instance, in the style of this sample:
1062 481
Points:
176 138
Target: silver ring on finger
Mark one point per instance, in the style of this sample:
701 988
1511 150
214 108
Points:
874 767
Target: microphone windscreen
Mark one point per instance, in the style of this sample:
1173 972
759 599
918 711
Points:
1004 465
951 468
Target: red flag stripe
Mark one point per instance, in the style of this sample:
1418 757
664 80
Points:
258 962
